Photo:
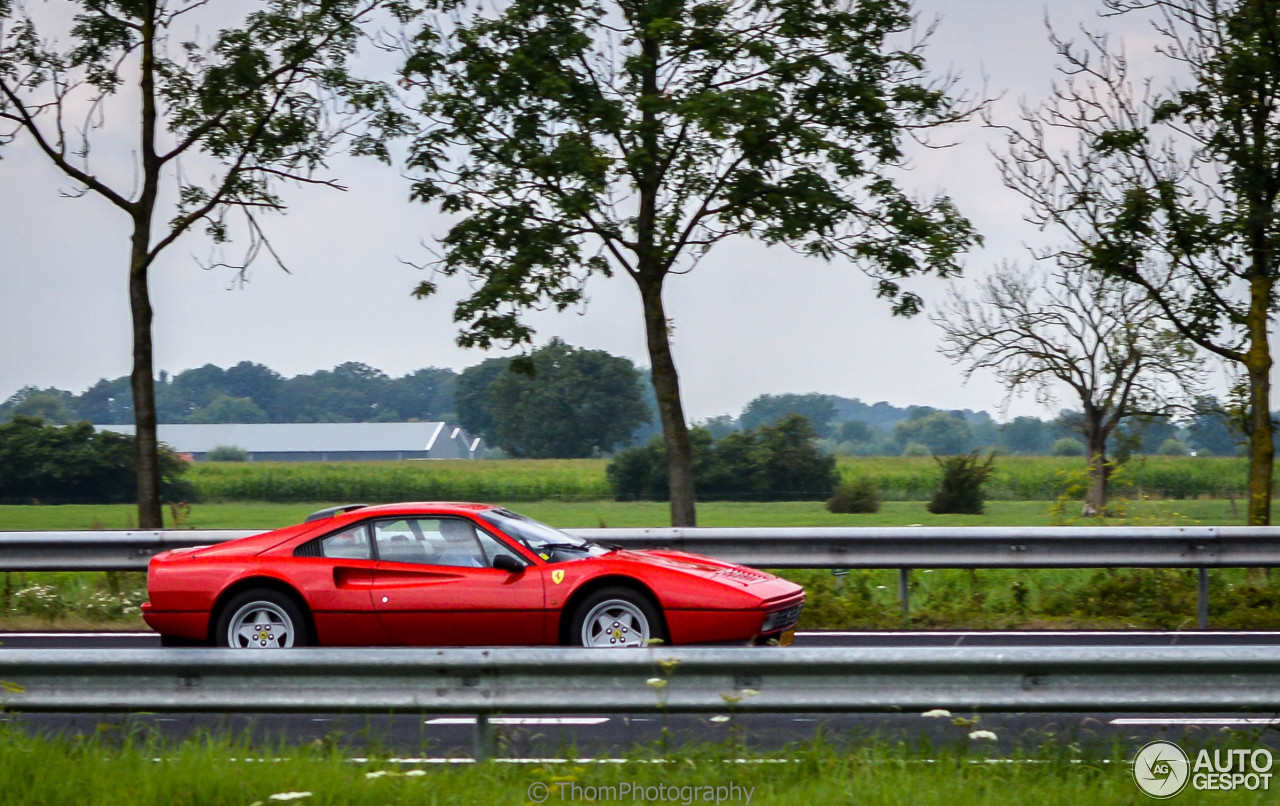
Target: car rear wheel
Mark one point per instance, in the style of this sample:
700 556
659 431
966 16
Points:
261 619
615 618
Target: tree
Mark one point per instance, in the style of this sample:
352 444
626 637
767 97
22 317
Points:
261 104
1211 430
227 409
942 432
471 395
819 410
576 403
1026 435
1177 192
423 395
1077 328
592 136
51 405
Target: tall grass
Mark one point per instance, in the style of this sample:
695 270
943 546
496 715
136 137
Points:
378 482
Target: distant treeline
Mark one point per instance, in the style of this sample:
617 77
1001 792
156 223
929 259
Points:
580 403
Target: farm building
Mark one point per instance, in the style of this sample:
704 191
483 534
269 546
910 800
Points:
317 442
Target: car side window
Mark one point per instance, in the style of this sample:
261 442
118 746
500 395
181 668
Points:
493 547
429 541
349 544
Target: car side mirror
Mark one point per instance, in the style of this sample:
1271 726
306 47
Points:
505 562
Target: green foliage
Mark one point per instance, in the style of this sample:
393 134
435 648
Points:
914 449
859 496
941 432
1174 447
573 404
1067 446
779 462
76 464
781 122
51 405
769 409
226 409
227 453
960 489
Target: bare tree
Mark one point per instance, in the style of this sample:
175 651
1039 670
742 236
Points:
1099 337
260 103
1178 190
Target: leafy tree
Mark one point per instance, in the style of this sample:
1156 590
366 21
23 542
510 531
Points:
819 410
75 464
855 431
106 402
227 409
593 136
942 432
1211 429
576 403
1176 192
253 106
779 462
471 396
1067 446
50 405
1026 435
423 395
719 426
1075 329
350 393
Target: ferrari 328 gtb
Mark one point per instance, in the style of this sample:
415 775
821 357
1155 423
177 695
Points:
454 575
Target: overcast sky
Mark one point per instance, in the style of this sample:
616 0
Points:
748 320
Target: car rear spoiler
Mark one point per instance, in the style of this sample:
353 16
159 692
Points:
320 515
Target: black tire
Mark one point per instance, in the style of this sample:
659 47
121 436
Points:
280 615
629 602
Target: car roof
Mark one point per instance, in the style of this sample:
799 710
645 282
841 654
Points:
415 508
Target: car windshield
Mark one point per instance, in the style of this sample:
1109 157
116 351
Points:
539 537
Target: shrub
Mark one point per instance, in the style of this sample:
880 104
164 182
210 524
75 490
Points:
227 453
75 464
1067 447
916 449
1174 447
773 462
960 490
858 496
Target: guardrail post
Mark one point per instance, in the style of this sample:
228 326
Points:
1202 597
483 739
904 593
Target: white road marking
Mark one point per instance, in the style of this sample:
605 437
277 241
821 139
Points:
1198 720
147 634
520 720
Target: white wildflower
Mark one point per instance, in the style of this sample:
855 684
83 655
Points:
656 682
376 774
289 796
719 718
984 735
415 773
937 713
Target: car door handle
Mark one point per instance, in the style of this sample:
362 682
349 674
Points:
348 578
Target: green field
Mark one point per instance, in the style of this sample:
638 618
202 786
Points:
515 480
143 772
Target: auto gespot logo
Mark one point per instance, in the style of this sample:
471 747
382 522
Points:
1161 770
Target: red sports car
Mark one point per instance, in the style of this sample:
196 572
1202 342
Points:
454 575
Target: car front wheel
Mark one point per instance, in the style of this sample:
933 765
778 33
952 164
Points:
615 618
261 619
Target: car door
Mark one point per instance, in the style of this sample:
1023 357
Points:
436 586
335 574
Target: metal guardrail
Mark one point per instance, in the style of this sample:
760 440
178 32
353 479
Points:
903 548
675 680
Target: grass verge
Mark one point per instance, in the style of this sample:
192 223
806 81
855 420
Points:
143 772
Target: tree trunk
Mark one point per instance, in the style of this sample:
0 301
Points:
666 384
1095 500
142 379
1262 448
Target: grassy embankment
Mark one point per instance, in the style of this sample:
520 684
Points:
140 772
571 497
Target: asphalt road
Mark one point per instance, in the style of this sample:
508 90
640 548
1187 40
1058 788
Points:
419 736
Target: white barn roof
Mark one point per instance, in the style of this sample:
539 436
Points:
295 437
